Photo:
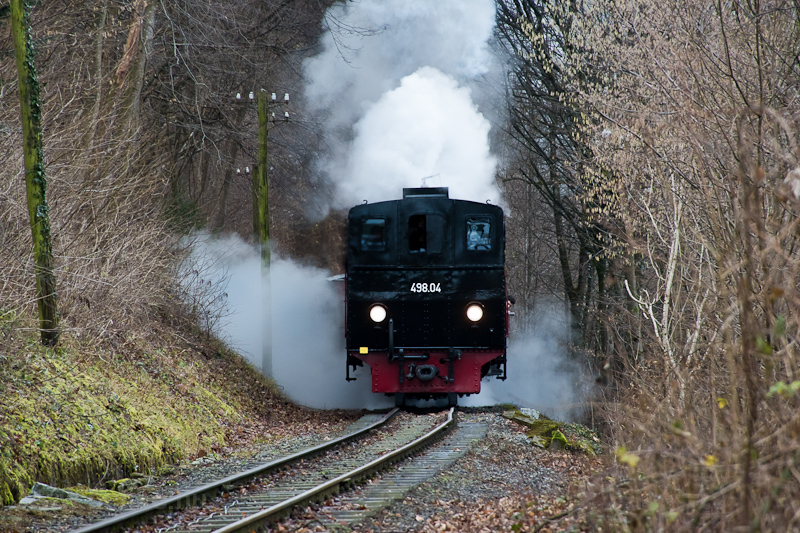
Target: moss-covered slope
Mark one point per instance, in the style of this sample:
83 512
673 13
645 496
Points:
87 413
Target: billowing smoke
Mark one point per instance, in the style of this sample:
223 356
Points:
395 84
300 341
308 346
540 373
435 130
373 44
221 280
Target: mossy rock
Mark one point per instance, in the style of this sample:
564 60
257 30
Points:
167 471
581 445
542 431
125 484
558 436
546 433
521 418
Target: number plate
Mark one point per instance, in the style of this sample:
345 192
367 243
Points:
426 287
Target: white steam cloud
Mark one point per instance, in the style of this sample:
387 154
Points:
395 81
540 374
373 44
435 130
221 280
308 345
300 337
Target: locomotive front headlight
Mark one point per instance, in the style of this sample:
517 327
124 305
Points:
377 313
474 312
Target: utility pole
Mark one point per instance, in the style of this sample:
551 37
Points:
35 180
261 217
262 179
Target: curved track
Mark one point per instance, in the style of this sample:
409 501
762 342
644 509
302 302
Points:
268 499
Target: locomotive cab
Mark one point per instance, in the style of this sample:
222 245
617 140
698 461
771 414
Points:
425 294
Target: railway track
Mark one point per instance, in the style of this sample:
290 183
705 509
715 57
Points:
261 495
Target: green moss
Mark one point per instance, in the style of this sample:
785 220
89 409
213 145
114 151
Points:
110 497
70 418
5 494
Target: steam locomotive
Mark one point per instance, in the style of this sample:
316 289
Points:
425 295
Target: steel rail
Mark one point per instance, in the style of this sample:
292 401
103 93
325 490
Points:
198 495
265 516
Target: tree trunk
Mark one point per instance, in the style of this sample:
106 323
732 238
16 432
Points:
130 72
97 97
35 180
233 150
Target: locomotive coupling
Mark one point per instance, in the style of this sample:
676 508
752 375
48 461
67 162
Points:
427 372
422 372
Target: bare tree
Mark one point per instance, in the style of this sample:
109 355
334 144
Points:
545 119
696 134
143 141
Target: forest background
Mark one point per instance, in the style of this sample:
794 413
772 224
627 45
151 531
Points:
649 156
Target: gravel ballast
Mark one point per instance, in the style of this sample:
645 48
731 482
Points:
504 465
502 480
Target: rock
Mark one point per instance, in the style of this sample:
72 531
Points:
546 433
40 490
532 413
43 509
520 418
538 441
543 430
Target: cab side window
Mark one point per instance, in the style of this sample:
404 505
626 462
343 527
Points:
479 233
373 235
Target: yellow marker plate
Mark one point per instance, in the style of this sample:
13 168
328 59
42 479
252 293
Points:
363 349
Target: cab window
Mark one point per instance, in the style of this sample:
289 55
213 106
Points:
417 234
373 235
479 233
426 232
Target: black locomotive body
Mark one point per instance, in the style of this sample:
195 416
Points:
426 295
